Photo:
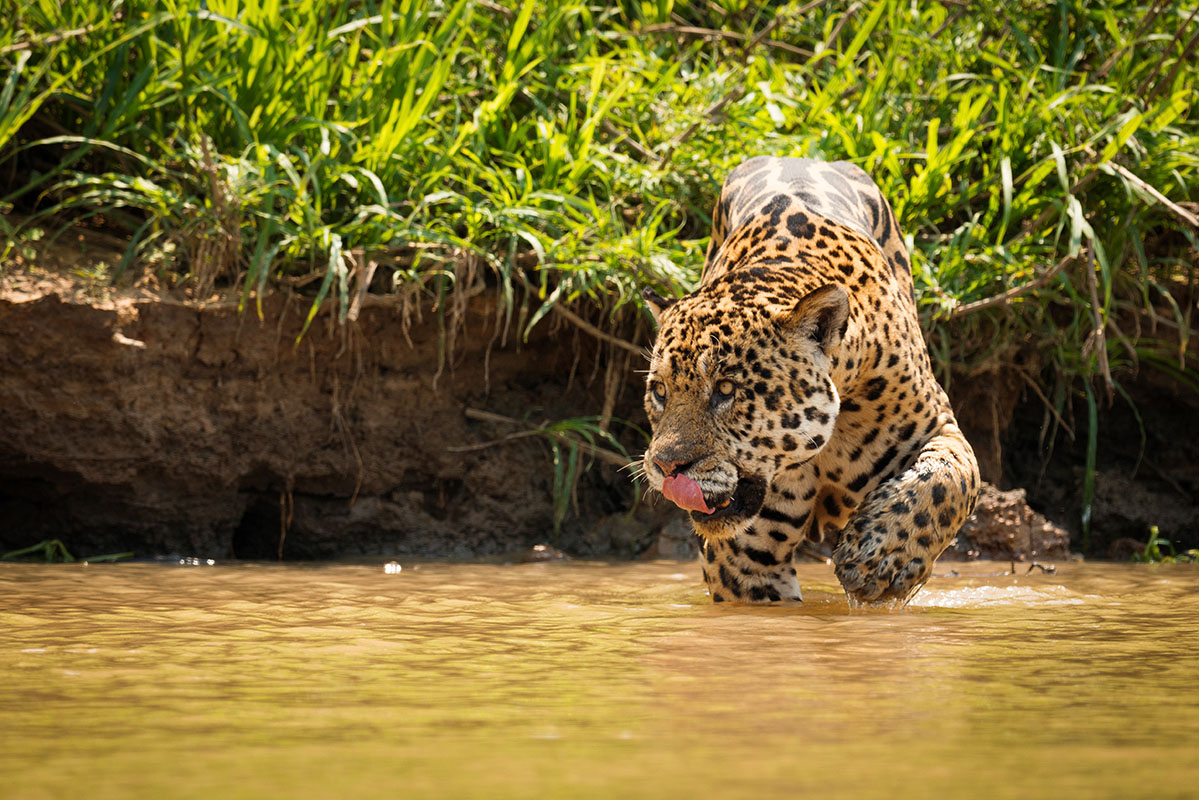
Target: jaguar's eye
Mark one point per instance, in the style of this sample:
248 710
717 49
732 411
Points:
724 391
658 391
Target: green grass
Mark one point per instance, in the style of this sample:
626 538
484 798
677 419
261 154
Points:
1049 150
1161 551
53 551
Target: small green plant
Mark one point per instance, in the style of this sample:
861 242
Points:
18 242
93 275
53 551
575 444
1161 551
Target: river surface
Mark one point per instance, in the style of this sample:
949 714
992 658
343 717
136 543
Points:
579 680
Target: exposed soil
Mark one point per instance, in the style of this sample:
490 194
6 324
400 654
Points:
133 421
1139 483
137 423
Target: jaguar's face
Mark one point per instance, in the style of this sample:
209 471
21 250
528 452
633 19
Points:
735 394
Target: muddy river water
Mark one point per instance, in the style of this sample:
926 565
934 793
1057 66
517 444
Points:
592 680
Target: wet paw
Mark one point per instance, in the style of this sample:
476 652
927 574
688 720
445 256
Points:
871 573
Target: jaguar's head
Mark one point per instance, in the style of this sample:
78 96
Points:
739 390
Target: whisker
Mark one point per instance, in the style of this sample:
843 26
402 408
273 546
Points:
637 467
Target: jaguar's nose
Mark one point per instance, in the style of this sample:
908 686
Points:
671 465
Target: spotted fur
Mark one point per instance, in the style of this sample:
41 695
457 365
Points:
835 425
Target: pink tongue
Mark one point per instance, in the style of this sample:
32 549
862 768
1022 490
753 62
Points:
685 493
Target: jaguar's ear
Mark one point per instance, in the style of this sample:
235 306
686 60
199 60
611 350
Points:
657 303
822 316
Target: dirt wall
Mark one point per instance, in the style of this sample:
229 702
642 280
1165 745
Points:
138 422
168 427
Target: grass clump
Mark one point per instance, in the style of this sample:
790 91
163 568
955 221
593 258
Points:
577 148
53 551
1160 551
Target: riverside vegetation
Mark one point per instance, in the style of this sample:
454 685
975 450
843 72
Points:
1042 158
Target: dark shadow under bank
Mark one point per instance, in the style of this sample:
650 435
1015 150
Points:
167 427
1146 467
1146 457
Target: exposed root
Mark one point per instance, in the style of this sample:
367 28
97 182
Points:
579 322
601 453
213 241
287 510
338 424
1004 298
1097 341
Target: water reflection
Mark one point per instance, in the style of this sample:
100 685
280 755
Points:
585 680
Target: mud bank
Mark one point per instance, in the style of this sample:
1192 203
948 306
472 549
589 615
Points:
162 426
171 427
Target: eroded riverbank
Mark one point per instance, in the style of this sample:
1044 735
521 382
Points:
137 421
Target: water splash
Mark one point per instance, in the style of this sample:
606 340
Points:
982 596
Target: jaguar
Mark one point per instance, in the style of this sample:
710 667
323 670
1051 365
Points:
791 397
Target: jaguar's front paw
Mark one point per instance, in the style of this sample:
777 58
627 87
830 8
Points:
877 569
